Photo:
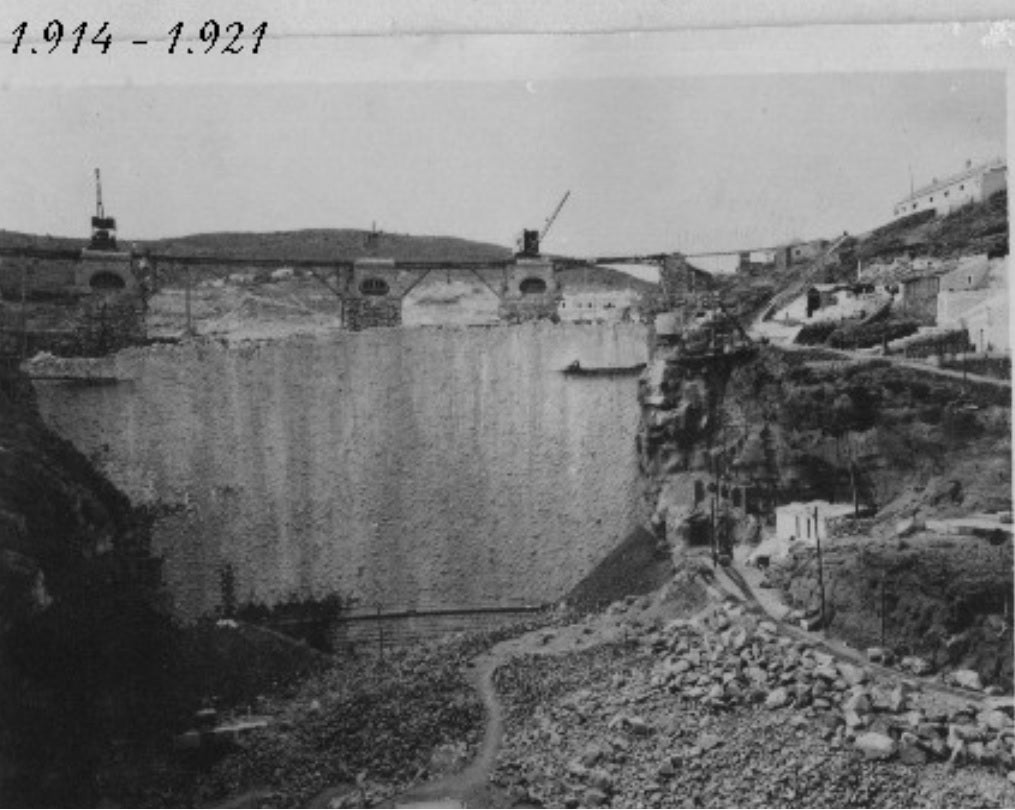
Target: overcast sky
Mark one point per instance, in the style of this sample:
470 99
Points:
687 163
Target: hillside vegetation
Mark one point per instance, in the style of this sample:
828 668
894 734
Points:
976 228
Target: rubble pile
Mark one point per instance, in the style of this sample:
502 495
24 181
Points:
724 709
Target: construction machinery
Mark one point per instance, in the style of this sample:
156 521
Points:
532 239
103 227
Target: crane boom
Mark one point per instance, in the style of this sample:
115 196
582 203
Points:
99 212
550 220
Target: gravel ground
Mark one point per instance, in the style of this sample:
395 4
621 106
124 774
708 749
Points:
608 726
356 734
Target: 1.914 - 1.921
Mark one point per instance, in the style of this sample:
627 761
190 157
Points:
84 37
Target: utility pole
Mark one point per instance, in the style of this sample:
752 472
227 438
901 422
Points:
715 550
24 313
821 570
186 301
884 603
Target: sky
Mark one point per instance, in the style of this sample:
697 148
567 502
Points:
653 163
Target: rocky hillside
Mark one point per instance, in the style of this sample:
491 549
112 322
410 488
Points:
899 444
80 636
911 448
724 709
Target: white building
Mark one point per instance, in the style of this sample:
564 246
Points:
807 522
986 323
972 184
974 297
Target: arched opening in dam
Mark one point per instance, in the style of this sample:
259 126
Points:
438 471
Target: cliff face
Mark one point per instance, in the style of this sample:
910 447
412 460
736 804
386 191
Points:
681 435
79 630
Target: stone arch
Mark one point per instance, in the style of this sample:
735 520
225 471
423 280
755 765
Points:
105 280
532 286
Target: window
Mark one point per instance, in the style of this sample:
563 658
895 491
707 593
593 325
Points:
374 286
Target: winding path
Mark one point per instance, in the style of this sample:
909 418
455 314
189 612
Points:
470 788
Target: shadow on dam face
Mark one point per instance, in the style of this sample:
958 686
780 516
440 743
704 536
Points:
403 469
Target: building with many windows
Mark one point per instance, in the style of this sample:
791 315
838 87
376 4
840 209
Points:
972 184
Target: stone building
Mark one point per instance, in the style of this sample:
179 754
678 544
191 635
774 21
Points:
372 295
530 290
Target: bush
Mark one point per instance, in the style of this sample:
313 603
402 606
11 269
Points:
955 340
870 334
814 334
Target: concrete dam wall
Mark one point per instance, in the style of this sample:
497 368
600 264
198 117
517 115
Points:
422 468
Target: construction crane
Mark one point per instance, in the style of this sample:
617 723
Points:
531 240
103 227
553 217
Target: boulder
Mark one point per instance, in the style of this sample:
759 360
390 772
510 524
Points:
898 698
859 701
826 672
875 745
880 655
777 698
632 724
600 779
591 754
995 719
824 659
916 665
969 732
852 674
1004 703
706 742
979 753
910 751
967 679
